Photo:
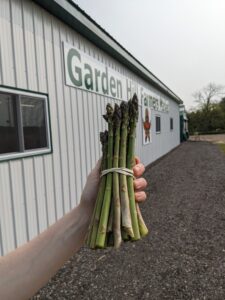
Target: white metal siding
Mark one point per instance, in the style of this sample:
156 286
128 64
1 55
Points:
36 191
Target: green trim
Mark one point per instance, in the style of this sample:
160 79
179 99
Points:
32 154
70 13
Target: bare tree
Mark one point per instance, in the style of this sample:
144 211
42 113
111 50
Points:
208 95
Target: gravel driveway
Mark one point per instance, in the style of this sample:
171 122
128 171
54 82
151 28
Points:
184 255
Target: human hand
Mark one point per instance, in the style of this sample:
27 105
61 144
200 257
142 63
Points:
90 190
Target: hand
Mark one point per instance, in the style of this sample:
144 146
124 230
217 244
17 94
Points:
139 183
90 190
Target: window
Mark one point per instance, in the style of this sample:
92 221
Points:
24 124
171 123
158 124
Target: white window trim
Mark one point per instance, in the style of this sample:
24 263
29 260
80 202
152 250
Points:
157 132
33 152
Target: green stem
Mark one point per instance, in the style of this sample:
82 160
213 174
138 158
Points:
133 116
110 221
101 235
142 226
116 190
125 206
98 204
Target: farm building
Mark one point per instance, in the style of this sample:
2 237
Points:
58 70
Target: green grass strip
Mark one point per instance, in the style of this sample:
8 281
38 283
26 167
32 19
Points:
222 147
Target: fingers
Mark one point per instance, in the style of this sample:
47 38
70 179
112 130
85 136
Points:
138 169
140 184
140 196
137 160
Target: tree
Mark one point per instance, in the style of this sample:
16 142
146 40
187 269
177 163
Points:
206 98
222 104
208 95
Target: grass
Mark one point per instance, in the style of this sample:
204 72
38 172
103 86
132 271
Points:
222 147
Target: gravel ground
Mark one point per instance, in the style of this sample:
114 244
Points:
184 255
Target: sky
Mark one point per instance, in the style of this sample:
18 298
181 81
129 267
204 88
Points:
182 42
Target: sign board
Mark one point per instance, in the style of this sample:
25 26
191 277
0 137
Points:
146 124
84 72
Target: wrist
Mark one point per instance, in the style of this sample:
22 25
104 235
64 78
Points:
85 211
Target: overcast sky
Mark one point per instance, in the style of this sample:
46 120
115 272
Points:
182 42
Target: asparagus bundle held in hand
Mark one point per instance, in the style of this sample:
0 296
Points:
116 216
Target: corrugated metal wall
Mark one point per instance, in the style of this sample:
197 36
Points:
36 191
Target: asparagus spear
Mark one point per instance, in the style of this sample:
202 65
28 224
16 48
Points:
98 205
125 206
142 226
110 221
101 235
133 118
116 189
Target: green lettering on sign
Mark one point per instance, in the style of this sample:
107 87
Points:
105 82
112 86
71 54
88 78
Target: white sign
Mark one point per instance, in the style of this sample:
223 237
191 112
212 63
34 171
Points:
84 72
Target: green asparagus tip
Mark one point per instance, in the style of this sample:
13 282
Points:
104 137
133 108
117 115
109 112
124 109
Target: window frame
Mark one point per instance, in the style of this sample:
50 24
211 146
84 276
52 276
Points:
171 119
157 132
18 93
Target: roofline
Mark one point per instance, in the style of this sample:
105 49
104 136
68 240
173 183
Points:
71 14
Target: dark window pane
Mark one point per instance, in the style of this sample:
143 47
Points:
8 125
34 124
158 124
171 123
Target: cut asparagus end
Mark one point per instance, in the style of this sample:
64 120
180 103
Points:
142 226
129 231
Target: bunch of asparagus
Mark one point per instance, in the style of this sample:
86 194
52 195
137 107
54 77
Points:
117 216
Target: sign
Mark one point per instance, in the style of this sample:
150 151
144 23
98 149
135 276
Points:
147 124
84 72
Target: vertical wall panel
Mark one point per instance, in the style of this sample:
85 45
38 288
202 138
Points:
60 114
40 51
56 166
29 40
76 145
40 193
7 59
6 210
32 211
17 194
79 100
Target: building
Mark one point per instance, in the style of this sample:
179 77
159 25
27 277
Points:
58 70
